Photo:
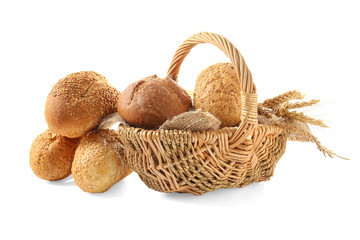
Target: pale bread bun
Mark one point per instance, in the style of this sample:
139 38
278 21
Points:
99 161
78 102
218 91
51 156
149 102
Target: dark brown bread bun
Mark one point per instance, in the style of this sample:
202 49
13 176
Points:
149 102
78 102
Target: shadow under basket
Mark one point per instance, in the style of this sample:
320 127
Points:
198 162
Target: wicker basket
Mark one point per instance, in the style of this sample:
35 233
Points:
199 162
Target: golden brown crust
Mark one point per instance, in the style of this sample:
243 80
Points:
151 101
218 91
78 102
99 161
51 156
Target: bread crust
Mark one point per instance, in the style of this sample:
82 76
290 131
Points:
51 156
99 161
149 102
218 91
78 102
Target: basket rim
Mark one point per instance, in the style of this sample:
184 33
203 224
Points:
188 131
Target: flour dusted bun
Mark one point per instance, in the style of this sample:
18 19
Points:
78 102
218 91
99 161
51 156
149 102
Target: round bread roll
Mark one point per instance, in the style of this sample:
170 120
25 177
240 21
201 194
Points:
77 103
218 91
99 161
149 102
51 156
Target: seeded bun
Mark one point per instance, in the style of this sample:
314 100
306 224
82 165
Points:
99 161
51 156
149 102
78 102
218 91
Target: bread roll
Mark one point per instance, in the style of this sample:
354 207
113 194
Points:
99 161
77 103
149 102
218 91
51 156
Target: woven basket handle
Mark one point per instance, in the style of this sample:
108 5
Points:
242 71
248 89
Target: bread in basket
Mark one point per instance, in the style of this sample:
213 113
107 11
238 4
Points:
201 161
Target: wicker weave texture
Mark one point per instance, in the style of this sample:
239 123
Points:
199 162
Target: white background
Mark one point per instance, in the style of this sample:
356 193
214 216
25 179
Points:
311 46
